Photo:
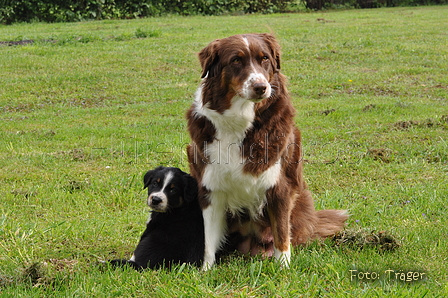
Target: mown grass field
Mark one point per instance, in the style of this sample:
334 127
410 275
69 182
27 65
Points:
88 107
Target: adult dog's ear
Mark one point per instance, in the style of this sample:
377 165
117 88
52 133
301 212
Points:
275 48
190 188
148 176
209 59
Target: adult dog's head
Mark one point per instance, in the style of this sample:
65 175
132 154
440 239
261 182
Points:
169 188
243 66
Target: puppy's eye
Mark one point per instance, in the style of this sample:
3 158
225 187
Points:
173 191
155 184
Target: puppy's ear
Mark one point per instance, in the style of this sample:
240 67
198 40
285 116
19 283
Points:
209 59
275 48
190 188
148 176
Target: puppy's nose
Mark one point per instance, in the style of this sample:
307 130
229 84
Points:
156 200
260 88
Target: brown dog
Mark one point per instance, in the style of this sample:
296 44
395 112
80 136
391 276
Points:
246 152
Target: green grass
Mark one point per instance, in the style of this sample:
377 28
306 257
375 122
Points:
89 107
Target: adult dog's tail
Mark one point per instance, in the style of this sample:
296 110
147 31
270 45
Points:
329 222
308 224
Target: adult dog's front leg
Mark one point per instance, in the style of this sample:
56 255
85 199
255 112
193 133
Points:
214 231
281 231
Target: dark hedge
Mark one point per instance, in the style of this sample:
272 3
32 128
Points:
12 11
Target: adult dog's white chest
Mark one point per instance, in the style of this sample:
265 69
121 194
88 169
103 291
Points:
230 188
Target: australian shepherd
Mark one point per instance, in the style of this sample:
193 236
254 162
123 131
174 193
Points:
246 152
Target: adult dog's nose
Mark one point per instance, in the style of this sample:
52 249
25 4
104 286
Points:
260 88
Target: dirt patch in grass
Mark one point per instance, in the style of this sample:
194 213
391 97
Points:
362 238
325 20
404 125
375 90
44 273
74 154
444 119
324 112
21 107
23 193
428 123
5 281
369 107
327 112
73 185
16 43
88 102
381 154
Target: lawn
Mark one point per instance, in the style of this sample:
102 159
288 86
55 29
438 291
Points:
89 107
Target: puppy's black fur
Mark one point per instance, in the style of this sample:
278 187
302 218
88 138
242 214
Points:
175 230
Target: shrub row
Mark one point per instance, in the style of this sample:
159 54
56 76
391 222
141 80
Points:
322 4
76 10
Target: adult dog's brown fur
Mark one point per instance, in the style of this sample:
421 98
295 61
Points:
243 107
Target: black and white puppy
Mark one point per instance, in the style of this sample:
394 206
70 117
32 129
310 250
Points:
175 229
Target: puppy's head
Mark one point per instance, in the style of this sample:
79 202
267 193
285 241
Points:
169 188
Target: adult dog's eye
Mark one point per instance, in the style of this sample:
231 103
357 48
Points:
173 191
155 184
236 60
264 59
